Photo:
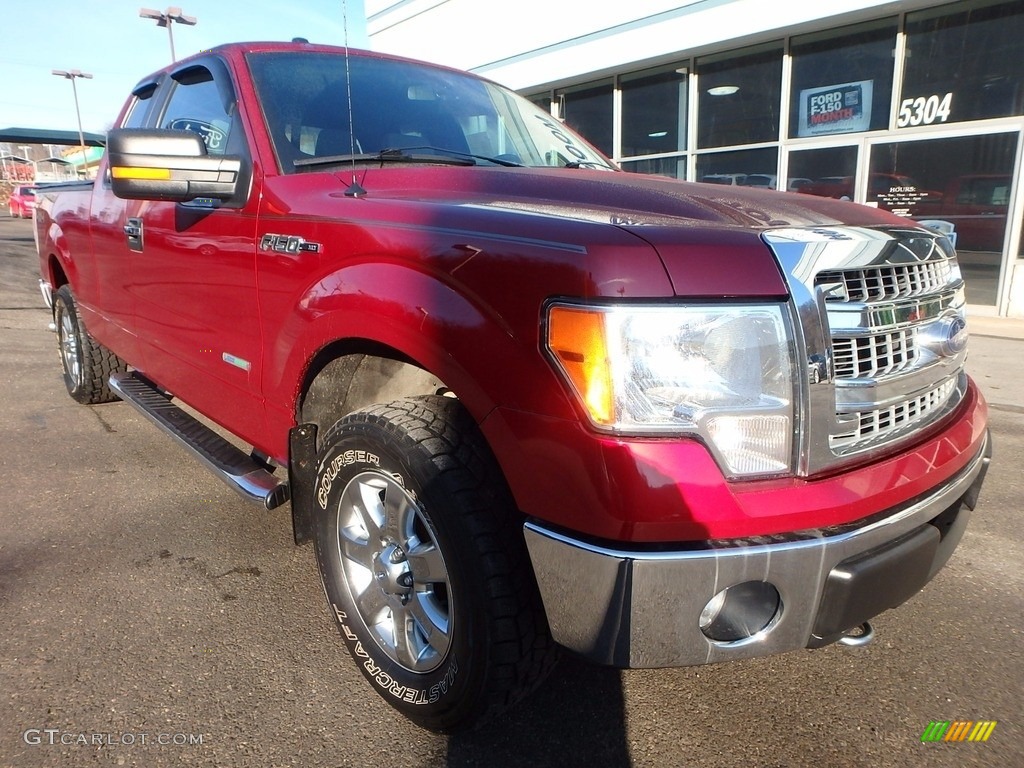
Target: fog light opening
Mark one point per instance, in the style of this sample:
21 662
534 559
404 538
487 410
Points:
740 611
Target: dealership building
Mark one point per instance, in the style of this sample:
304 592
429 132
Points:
917 107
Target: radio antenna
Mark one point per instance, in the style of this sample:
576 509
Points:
355 189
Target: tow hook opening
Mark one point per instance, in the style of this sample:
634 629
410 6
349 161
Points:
858 636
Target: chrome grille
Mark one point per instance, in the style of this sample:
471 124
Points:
881 317
869 357
880 424
895 281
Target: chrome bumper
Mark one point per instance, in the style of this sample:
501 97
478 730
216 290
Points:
643 609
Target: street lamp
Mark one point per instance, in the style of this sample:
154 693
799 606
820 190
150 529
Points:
71 75
166 19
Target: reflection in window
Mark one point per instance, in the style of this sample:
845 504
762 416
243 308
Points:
588 110
842 81
825 172
964 181
739 97
654 112
542 100
750 167
673 167
963 66
196 105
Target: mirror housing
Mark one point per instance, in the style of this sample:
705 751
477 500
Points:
151 164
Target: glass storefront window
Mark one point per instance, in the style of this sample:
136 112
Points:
842 80
588 110
1020 248
654 111
673 167
964 65
745 168
542 100
740 97
964 181
826 172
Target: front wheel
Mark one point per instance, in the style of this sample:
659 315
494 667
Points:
87 364
423 562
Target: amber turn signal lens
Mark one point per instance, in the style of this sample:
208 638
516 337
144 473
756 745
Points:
140 173
578 341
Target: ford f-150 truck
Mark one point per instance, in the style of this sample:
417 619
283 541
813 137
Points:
518 399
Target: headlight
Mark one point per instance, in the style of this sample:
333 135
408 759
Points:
722 372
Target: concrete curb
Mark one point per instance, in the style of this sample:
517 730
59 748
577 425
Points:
1000 327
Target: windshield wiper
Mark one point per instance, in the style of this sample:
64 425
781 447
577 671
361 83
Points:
582 163
457 153
402 155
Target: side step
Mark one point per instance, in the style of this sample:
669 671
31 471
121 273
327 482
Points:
225 460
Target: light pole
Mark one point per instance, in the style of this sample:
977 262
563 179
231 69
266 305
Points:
71 75
167 19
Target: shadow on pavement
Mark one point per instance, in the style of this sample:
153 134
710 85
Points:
576 718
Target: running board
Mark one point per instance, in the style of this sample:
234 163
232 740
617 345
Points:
224 459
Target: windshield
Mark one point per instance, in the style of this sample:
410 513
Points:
399 105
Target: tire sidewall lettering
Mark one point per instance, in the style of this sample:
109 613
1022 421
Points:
402 687
328 474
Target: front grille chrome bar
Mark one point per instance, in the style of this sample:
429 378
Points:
880 318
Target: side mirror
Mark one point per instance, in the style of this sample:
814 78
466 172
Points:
169 165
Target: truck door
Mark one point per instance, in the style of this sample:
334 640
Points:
105 289
194 277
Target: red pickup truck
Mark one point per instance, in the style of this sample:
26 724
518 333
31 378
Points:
524 400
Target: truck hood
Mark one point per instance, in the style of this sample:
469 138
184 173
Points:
621 199
706 236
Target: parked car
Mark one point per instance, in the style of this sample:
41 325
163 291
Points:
726 179
22 202
976 205
524 399
762 180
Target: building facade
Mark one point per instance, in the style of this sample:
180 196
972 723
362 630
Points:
916 107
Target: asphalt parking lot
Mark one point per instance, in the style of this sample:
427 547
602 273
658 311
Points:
148 612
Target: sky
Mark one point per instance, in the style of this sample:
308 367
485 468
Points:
109 40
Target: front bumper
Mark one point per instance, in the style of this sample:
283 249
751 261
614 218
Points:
643 608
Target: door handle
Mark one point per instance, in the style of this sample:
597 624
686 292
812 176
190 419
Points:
133 232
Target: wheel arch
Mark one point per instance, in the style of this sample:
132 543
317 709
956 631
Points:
379 331
58 277
351 374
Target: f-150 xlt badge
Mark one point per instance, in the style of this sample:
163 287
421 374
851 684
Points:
287 244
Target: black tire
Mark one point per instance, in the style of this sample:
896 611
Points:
87 363
416 530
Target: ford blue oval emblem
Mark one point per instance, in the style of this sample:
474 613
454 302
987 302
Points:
956 336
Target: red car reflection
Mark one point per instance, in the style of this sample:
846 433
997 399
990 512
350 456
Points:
22 202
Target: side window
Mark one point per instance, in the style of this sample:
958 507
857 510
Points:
197 104
137 112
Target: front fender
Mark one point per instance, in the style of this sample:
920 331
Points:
426 320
